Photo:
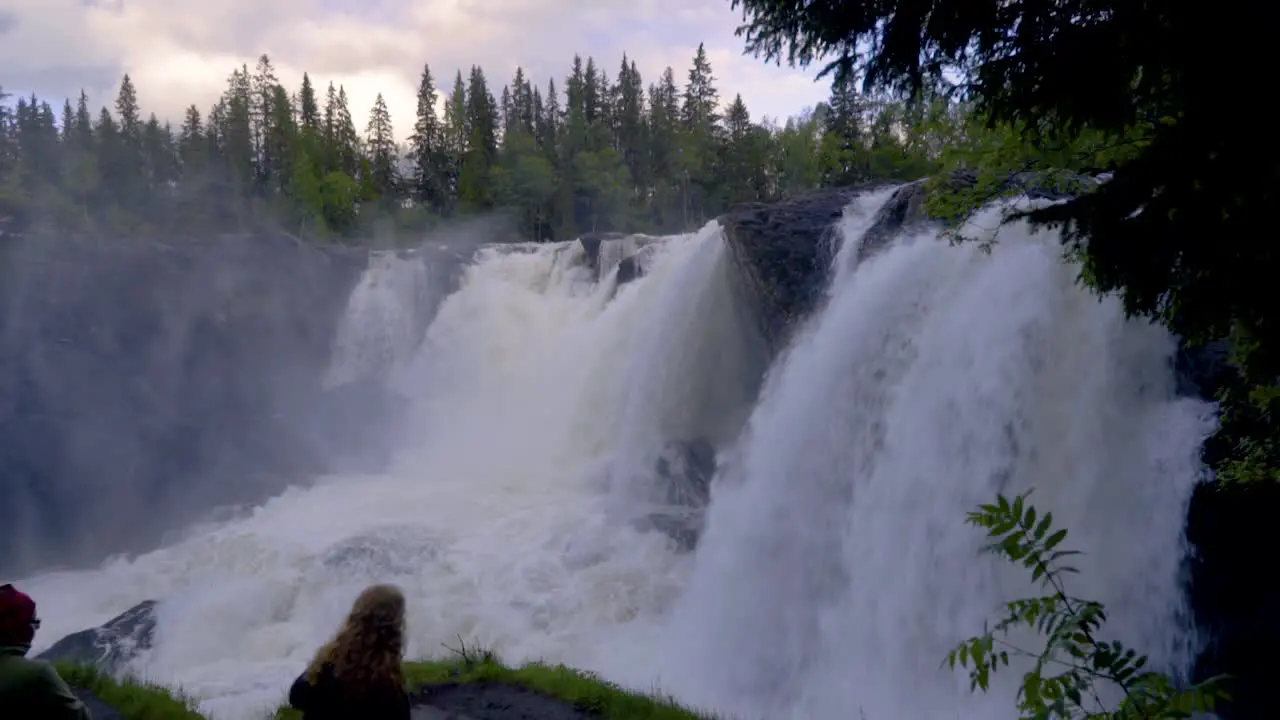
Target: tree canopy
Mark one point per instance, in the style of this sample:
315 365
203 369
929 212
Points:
594 150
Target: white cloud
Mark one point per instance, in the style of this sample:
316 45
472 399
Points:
181 51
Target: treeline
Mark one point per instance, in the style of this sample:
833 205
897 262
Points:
607 153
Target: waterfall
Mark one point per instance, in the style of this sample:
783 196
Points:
552 497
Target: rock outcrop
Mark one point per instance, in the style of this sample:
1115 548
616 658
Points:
629 269
143 383
602 252
111 646
783 252
591 246
683 470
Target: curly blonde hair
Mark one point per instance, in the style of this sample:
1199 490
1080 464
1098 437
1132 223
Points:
367 652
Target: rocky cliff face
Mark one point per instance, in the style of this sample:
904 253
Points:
142 384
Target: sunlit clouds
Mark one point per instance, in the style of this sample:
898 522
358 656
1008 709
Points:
181 51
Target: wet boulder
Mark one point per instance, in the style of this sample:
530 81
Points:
629 269
684 470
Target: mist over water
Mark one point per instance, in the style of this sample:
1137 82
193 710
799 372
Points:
144 383
834 570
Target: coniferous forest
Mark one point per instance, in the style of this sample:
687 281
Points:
596 151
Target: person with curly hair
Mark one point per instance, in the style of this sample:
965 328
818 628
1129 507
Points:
358 673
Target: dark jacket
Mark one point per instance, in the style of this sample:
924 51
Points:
34 689
325 700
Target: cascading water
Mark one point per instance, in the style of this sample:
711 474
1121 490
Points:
497 521
384 319
834 570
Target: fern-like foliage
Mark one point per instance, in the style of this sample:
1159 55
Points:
1068 675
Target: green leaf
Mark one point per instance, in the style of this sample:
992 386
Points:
1045 523
1068 627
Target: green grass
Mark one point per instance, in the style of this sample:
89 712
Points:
137 700
132 698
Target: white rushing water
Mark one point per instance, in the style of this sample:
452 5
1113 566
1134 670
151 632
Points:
382 325
835 570
935 378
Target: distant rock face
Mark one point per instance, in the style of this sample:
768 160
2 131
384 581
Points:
142 384
112 646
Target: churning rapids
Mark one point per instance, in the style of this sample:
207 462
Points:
834 569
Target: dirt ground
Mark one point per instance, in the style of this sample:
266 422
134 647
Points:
490 701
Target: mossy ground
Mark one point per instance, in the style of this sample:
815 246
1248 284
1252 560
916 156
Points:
139 701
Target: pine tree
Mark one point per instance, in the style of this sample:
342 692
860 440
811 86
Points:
743 157
427 153
844 158
308 109
191 138
124 170
128 114
236 131
456 133
698 113
629 124
263 115
346 142
280 141
475 190
696 152
381 146
330 123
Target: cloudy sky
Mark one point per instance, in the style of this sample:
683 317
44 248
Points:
181 51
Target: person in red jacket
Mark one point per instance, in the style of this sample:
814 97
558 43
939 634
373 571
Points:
29 688
357 675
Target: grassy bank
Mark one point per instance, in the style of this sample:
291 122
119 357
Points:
133 699
139 701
